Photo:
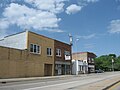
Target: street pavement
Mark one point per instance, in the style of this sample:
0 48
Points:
115 87
97 81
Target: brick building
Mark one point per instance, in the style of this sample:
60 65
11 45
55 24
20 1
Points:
62 58
27 54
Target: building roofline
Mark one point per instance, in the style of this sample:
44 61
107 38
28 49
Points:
47 37
15 34
33 33
83 52
62 42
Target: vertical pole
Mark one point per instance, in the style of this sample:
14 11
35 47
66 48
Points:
112 65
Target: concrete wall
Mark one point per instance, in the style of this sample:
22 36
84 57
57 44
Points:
18 41
18 63
12 63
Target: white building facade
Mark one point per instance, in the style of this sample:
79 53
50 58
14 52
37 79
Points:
83 62
79 67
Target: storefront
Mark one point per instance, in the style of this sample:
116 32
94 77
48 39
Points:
62 68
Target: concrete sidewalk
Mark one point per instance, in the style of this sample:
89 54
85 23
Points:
33 78
40 78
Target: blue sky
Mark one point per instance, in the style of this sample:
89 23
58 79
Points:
96 23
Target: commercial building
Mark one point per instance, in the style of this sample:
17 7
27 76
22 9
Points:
62 58
83 62
28 54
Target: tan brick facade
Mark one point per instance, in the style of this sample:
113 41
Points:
24 63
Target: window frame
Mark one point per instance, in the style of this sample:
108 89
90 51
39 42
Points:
49 52
35 49
67 53
58 52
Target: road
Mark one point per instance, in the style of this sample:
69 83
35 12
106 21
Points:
115 87
79 82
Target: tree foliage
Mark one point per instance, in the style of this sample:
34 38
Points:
104 62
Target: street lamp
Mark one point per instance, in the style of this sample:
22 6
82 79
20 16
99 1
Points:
77 65
76 46
112 64
71 39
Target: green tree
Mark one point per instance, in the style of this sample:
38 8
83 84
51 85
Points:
104 62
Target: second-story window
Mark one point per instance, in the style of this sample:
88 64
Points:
67 53
35 48
49 51
58 52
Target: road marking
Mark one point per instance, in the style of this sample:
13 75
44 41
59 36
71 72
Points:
114 86
51 85
67 83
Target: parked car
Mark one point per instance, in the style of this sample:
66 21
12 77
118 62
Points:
99 71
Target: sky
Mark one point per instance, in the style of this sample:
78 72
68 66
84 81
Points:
93 24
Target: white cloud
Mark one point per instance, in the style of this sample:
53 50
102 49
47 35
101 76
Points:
54 30
87 37
38 15
73 9
3 26
55 6
25 17
91 1
86 2
114 26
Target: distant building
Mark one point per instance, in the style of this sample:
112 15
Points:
28 54
83 62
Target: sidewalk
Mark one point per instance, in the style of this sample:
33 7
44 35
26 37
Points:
33 78
39 78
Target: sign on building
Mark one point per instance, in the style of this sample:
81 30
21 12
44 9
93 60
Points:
67 55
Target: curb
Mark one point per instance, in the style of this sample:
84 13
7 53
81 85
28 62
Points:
3 81
111 85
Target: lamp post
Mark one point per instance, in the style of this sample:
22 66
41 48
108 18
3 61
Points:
71 39
112 64
76 46
71 43
76 56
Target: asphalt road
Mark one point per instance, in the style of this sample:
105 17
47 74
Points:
80 82
115 87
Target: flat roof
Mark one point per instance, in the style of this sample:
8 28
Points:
33 33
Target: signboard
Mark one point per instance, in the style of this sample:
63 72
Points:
67 57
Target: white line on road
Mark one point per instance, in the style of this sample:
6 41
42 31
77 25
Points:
51 85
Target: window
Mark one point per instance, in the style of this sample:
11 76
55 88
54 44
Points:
67 53
49 51
58 52
31 47
35 48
